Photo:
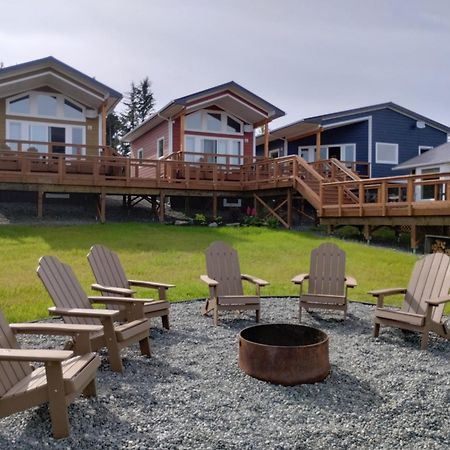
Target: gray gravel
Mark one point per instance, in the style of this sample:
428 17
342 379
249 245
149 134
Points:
382 393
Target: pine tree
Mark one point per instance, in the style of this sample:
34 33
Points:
139 103
113 130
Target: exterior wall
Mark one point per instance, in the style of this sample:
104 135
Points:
2 119
390 126
248 144
176 135
92 129
387 126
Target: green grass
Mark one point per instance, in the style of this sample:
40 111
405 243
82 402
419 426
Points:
175 255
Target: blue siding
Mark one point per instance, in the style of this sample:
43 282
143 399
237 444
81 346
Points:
387 126
390 126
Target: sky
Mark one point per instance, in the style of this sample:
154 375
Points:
305 57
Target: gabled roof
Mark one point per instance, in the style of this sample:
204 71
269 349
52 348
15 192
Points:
230 96
299 128
434 157
52 72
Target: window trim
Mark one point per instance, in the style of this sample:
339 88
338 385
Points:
161 139
33 113
224 124
140 154
198 145
381 161
424 147
312 149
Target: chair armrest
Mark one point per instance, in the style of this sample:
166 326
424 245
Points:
117 300
112 290
80 312
351 282
150 284
254 280
209 281
54 329
386 292
21 354
299 279
438 301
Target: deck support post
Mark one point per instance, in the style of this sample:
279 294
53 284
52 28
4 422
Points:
154 207
367 232
162 199
330 230
101 207
40 204
289 208
214 205
414 238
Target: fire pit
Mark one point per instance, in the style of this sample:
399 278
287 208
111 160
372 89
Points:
284 353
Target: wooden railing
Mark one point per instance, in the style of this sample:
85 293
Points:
55 147
405 195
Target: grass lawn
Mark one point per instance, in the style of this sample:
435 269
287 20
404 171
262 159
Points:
175 255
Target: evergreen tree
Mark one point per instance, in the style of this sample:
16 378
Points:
139 103
113 130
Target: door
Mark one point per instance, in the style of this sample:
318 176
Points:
57 134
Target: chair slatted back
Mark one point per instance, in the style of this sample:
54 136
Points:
64 288
327 270
11 372
222 264
108 270
430 278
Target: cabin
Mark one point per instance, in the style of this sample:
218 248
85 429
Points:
216 125
371 140
47 106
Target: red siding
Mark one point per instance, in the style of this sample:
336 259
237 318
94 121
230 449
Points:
248 144
148 143
176 131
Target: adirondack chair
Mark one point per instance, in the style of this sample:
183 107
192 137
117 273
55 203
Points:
224 279
112 280
424 300
75 307
58 382
327 282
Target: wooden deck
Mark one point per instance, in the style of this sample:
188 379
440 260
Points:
337 193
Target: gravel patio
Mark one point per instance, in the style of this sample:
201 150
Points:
382 393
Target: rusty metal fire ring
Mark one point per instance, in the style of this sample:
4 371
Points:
284 354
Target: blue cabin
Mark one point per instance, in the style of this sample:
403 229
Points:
371 140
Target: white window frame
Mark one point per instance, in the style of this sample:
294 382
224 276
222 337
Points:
232 203
198 146
277 152
325 148
382 161
161 139
424 147
33 95
140 154
25 131
224 115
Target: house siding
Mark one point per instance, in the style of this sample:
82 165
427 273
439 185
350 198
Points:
2 119
393 127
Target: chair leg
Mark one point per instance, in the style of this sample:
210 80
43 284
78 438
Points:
216 316
111 344
56 400
376 329
299 312
144 344
91 389
165 322
424 340
258 315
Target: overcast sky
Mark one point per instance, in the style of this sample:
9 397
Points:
305 57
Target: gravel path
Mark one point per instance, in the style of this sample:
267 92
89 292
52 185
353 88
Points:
382 393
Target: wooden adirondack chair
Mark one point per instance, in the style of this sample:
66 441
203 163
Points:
112 280
327 282
75 307
62 378
225 282
424 300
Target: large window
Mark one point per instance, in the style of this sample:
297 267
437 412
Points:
160 147
37 133
342 152
217 150
213 122
386 153
43 104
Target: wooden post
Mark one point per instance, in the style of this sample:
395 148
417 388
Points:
214 205
318 136
40 201
367 234
182 132
102 207
266 141
289 208
104 124
414 241
161 207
